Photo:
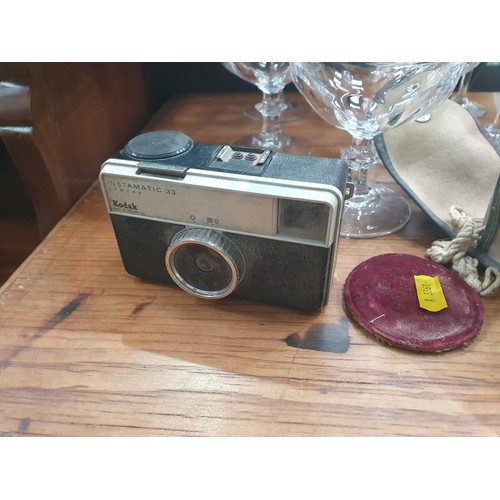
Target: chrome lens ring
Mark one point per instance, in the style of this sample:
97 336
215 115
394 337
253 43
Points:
204 263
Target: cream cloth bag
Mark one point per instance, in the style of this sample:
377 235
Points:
452 171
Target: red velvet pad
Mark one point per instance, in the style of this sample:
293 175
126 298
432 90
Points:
380 294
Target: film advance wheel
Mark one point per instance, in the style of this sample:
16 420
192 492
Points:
204 263
158 145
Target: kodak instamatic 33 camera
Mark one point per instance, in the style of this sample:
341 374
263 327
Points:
221 220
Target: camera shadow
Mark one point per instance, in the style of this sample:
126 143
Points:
234 335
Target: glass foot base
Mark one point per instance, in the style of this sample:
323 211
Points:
494 134
284 143
473 108
379 212
292 113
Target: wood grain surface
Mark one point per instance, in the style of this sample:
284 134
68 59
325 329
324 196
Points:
88 350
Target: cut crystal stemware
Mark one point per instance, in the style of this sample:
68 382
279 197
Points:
271 78
366 99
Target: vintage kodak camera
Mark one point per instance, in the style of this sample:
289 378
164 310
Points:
221 220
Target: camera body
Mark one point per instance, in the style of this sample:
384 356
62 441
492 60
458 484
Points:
221 220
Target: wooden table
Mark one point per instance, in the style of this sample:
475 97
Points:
87 350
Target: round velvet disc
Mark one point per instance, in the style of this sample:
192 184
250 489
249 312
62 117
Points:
380 294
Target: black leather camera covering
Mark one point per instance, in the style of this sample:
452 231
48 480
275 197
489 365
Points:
280 273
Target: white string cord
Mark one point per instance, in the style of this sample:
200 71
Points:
468 233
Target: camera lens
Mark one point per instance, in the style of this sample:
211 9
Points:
204 263
203 268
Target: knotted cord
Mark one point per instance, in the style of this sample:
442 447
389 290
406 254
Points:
468 232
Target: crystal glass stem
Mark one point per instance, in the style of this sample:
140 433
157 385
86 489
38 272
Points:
291 112
359 158
373 210
494 130
496 121
276 99
462 98
463 87
271 107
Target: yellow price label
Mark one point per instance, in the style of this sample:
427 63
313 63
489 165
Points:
430 294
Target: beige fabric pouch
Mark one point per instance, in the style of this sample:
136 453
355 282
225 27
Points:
449 162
